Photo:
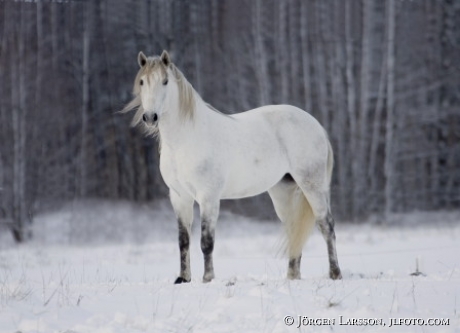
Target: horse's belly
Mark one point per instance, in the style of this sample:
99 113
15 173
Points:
233 192
252 180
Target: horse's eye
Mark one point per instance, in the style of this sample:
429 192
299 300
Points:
165 82
141 82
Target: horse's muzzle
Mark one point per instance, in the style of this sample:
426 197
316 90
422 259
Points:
150 119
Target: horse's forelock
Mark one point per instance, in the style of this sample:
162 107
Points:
152 65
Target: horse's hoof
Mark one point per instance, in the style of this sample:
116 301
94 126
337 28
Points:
294 276
335 275
208 278
180 280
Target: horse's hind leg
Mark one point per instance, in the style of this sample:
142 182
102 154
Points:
319 203
294 268
326 225
183 208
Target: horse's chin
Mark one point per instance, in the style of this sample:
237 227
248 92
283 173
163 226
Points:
151 129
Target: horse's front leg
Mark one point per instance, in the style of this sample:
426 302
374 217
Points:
209 212
183 208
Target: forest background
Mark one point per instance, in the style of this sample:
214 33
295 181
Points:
383 77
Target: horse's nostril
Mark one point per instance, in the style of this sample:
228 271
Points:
144 118
155 117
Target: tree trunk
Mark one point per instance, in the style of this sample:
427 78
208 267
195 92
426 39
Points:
351 106
366 68
35 131
281 58
373 173
19 98
197 51
305 57
260 58
320 63
339 123
87 32
292 53
4 118
389 136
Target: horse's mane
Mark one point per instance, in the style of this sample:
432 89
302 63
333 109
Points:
187 94
187 103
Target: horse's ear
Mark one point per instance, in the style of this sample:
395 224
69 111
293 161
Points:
165 58
141 59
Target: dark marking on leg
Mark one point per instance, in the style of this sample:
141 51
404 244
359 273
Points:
294 268
207 239
327 229
184 245
207 247
184 238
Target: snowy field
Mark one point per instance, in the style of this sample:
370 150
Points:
102 267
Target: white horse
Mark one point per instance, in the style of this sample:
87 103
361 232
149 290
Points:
207 156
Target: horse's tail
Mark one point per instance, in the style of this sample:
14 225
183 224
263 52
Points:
300 224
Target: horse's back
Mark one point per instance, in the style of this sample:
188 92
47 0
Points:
297 130
281 116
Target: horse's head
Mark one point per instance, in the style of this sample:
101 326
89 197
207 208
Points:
160 89
152 86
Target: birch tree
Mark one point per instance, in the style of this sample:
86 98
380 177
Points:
260 52
306 73
86 73
320 61
19 116
281 58
389 135
361 182
351 105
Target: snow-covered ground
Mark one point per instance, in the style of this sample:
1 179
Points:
109 267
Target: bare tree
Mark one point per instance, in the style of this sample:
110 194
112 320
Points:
260 52
306 73
86 73
351 105
320 61
389 136
365 89
281 58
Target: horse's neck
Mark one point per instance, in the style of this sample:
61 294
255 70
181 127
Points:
177 130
